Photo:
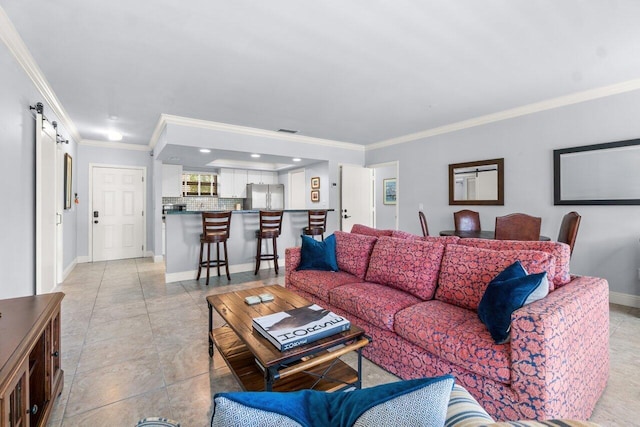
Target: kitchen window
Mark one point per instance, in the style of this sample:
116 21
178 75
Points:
199 184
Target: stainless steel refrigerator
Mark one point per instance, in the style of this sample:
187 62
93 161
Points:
265 196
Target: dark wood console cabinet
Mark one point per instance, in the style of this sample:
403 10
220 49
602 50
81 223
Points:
30 372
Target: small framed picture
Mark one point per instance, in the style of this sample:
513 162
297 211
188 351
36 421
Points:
315 183
315 196
389 191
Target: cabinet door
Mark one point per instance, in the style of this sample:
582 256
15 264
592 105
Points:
226 183
254 177
171 181
14 403
240 183
55 354
269 178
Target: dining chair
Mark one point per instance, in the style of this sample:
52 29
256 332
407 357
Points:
518 226
569 229
423 223
466 220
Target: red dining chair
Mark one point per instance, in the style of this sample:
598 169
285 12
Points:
518 226
569 229
466 220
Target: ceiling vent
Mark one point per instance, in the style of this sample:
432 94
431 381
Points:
287 131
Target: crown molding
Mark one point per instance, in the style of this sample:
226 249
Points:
549 104
166 119
9 35
112 144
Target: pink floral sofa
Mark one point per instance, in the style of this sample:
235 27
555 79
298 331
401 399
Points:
417 299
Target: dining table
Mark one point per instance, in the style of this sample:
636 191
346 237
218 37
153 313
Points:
478 234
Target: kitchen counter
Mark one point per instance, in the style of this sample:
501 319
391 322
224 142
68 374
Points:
183 230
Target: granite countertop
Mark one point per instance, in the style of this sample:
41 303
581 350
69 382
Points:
241 211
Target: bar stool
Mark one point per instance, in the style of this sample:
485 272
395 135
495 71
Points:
270 227
317 223
215 229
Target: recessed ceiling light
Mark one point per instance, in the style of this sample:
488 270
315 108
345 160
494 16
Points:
255 156
296 159
205 150
114 136
113 117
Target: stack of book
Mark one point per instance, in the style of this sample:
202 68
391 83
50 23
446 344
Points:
299 326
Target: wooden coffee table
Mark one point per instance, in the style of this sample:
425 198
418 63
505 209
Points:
258 365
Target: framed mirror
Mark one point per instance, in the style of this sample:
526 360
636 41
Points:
599 174
477 183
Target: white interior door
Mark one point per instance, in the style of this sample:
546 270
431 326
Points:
47 217
297 189
118 213
356 196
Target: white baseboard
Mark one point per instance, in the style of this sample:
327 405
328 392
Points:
83 259
69 269
237 268
624 299
158 258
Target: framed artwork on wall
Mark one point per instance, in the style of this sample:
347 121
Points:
315 183
389 191
68 167
315 196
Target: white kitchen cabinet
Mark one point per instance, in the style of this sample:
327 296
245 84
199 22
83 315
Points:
232 183
261 177
171 180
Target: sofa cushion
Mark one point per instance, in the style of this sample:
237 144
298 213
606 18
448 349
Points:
418 402
375 303
466 271
315 255
456 335
320 283
408 265
353 252
369 231
560 251
507 293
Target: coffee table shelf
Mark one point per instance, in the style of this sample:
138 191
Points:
258 365
244 367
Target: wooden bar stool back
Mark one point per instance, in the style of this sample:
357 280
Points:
215 229
270 227
317 223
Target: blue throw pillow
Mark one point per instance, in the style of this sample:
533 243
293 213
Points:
507 292
316 255
419 402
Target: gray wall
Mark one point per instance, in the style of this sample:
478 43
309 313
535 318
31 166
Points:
608 241
17 181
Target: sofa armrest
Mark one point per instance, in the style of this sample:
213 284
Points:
560 350
291 262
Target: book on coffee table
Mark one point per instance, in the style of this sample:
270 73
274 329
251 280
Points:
299 326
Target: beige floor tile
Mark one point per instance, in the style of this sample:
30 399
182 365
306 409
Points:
118 381
101 354
120 328
120 311
126 412
185 361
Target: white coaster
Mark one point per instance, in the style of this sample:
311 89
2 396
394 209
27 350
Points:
266 297
252 300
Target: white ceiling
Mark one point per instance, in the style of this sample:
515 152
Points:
359 71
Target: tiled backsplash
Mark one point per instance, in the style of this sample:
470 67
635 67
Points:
203 203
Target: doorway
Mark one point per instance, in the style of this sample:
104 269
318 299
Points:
356 196
117 212
297 186
385 210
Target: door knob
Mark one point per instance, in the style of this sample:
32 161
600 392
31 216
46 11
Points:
95 222
347 216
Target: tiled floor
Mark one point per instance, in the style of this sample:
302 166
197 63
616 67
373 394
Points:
135 347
